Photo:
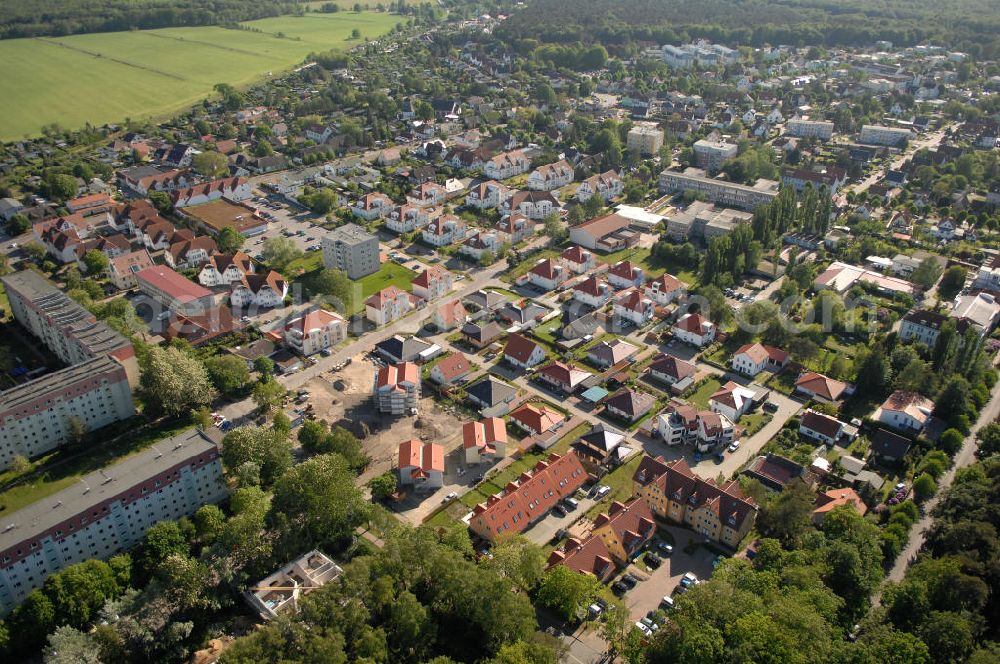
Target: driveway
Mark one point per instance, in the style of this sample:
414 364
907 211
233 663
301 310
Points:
647 594
545 530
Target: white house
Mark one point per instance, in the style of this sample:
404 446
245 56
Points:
406 218
432 283
547 274
607 185
533 204
624 274
732 400
264 291
578 259
551 176
593 292
449 316
427 194
633 306
665 289
372 206
523 352
480 243
315 331
234 189
515 228
820 427
753 358
387 305
225 269
421 465
695 330
486 195
444 231
905 411
506 165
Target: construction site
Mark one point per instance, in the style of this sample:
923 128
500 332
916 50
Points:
343 398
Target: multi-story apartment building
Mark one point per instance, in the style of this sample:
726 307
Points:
444 230
315 331
352 249
107 511
397 388
406 218
607 185
799 128
711 155
551 176
721 513
94 391
489 194
722 192
432 283
175 292
645 139
700 53
507 165
879 135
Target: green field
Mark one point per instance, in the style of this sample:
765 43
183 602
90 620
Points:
108 77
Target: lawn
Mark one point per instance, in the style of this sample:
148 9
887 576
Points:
620 481
391 274
312 260
652 265
703 391
548 331
522 268
108 77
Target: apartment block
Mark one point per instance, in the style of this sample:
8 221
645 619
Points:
798 128
397 388
107 511
352 249
711 155
722 192
95 390
879 135
645 138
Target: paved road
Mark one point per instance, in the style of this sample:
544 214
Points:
965 457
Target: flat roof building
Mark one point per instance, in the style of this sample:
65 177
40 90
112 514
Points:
352 249
107 511
722 192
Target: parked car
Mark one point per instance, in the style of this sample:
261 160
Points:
733 446
450 497
642 628
559 510
571 503
689 580
619 588
653 561
665 549
602 490
770 406
667 602
629 581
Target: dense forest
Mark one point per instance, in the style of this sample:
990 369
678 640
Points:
968 25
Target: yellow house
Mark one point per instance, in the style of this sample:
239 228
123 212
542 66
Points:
625 529
672 491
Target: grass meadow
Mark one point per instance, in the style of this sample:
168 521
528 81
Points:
107 77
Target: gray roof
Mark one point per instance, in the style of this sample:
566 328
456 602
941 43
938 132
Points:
404 349
350 234
26 392
491 391
102 485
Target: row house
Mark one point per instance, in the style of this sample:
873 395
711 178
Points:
506 165
673 491
263 291
526 500
233 189
445 230
533 204
387 305
624 274
190 253
144 180
550 176
406 218
488 195
432 283
625 529
593 292
515 228
633 306
372 206
607 186
314 332
590 557
427 194
111 246
225 269
665 289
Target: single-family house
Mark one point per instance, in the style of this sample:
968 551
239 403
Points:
694 329
609 353
451 369
821 388
593 292
888 447
628 404
665 289
732 400
547 274
602 449
448 316
905 411
536 418
578 259
491 396
673 371
482 334
624 274
751 359
563 377
821 427
432 283
522 352
830 500
421 465
387 305
485 440
632 306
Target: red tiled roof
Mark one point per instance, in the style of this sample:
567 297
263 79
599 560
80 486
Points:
537 418
673 366
677 481
588 557
529 497
453 366
820 385
379 299
173 284
592 286
519 347
424 456
834 498
546 269
484 434
430 275
576 254
392 375
314 320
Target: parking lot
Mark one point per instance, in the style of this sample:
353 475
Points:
655 584
288 220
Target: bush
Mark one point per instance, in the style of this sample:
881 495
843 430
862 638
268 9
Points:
924 487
